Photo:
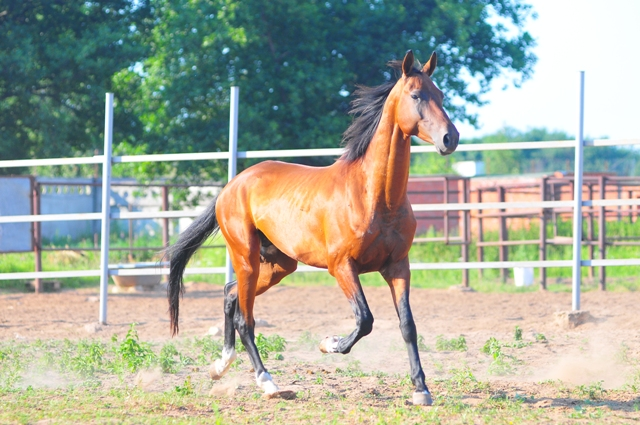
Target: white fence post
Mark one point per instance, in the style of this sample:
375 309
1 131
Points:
106 208
577 203
233 158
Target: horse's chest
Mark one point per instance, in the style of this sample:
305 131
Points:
382 243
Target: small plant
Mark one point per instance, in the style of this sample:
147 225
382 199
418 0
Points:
421 345
210 349
353 369
88 358
454 344
186 388
133 353
593 391
167 360
541 338
518 333
462 379
270 344
502 363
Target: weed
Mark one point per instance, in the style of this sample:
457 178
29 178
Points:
454 344
463 380
133 353
593 391
167 360
270 344
353 369
502 364
518 333
541 338
186 388
210 349
421 345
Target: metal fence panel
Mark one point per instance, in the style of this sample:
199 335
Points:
15 199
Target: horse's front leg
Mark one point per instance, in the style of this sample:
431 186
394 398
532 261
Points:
398 276
349 282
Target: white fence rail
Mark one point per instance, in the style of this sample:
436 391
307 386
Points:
233 155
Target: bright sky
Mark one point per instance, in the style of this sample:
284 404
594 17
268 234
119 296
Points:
600 37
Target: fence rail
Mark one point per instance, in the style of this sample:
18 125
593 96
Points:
233 155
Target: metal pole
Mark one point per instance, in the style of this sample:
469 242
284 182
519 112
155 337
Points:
106 207
543 234
577 202
233 158
37 234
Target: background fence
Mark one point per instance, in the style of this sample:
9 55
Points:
107 161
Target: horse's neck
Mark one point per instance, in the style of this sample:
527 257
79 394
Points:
386 163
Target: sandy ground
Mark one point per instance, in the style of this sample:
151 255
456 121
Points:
589 353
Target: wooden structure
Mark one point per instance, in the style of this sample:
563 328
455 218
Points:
461 227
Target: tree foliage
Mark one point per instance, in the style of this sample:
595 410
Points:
171 63
57 60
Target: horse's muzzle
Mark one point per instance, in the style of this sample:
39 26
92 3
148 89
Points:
448 144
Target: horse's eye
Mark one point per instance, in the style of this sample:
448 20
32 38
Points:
414 96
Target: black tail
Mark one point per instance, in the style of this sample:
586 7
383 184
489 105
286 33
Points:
180 253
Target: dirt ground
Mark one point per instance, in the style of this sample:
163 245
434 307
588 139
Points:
588 353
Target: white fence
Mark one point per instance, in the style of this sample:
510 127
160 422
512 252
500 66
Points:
232 155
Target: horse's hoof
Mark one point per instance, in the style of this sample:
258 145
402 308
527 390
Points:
283 394
213 373
330 344
422 398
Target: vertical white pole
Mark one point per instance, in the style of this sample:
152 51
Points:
233 157
577 203
106 216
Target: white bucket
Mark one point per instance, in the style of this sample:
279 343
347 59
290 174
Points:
523 276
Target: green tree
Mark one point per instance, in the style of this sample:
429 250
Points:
57 60
296 63
171 63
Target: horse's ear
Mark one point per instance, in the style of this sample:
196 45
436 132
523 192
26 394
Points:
430 66
407 63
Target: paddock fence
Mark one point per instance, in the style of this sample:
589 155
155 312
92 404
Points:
232 155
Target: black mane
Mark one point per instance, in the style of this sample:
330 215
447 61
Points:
366 110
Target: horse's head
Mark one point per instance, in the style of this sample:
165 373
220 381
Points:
419 110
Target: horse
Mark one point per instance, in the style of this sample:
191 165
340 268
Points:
350 217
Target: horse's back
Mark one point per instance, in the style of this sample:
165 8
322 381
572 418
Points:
287 203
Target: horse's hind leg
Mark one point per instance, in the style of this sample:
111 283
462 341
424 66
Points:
221 366
398 277
273 267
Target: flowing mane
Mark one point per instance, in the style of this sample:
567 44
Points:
366 110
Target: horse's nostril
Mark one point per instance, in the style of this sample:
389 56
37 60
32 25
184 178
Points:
446 141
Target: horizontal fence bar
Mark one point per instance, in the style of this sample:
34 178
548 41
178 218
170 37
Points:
98 159
170 157
306 269
489 205
137 215
51 161
49 217
288 153
464 147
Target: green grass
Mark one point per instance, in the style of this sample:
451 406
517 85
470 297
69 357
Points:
92 381
558 279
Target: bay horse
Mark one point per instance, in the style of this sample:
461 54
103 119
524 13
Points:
351 217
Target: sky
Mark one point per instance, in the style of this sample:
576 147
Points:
599 37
